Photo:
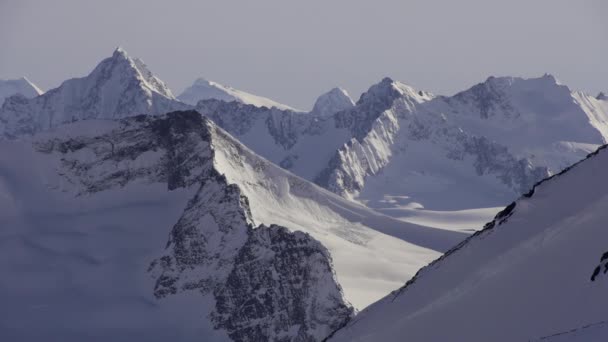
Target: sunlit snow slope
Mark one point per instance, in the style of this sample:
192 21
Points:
203 89
538 270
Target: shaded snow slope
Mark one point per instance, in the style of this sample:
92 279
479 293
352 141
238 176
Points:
21 86
203 89
365 245
149 227
536 271
118 87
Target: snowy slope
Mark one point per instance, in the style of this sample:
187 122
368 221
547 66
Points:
303 143
536 271
415 156
118 87
21 86
299 142
499 137
203 89
332 102
150 227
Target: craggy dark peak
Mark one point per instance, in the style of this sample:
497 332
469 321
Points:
602 96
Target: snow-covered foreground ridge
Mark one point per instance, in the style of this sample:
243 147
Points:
534 273
252 253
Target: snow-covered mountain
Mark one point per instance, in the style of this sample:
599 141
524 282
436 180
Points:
21 86
534 273
332 102
203 89
499 138
118 87
303 143
157 227
400 150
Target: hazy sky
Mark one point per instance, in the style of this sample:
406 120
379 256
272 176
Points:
292 51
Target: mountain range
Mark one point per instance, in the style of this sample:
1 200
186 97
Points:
130 212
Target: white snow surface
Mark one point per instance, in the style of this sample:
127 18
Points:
478 149
335 100
400 149
370 251
21 86
527 278
203 89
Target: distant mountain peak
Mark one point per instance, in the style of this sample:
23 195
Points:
601 96
119 86
387 90
333 101
204 89
121 63
21 86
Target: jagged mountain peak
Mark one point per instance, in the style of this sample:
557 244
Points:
388 90
602 96
119 86
333 101
127 67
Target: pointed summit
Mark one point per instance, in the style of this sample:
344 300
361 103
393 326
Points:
203 89
332 102
387 90
118 87
602 96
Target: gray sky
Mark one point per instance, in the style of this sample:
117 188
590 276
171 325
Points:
292 51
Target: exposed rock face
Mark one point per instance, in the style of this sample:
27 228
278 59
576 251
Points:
284 137
293 294
267 283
